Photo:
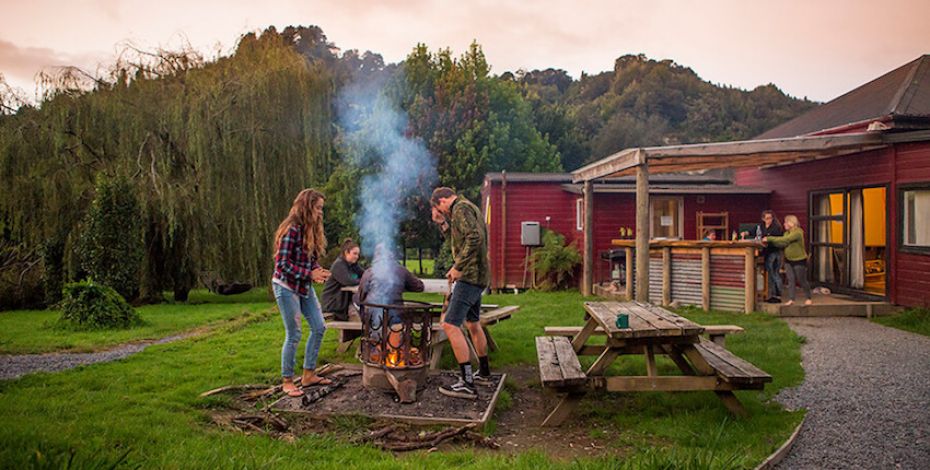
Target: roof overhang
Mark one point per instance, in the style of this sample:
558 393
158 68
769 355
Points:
747 153
670 189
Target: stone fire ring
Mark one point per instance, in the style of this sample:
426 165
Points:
431 407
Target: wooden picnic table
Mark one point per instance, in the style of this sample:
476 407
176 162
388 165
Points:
432 286
652 331
491 314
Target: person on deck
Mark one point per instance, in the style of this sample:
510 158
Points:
345 273
470 275
773 255
793 243
710 235
299 242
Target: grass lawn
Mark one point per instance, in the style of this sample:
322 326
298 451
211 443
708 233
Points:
34 331
915 320
148 406
414 266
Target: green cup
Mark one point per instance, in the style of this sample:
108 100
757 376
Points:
623 321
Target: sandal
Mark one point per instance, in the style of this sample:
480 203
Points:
291 389
319 380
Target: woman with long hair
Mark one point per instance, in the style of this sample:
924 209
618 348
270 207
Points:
795 254
298 243
345 273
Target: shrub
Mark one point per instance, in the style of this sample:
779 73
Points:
554 263
111 242
89 305
444 259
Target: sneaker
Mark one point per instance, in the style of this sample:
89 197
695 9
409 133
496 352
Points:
459 389
483 380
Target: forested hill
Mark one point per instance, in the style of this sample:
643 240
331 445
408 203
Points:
215 150
646 102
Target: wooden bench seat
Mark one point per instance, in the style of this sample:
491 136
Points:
718 333
558 363
731 368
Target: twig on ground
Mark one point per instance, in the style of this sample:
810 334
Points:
231 387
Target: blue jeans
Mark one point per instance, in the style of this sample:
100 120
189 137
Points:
292 306
772 265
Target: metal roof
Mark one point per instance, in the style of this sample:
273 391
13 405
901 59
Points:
901 96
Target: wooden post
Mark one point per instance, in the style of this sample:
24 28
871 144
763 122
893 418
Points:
629 273
587 277
750 280
705 278
666 276
642 232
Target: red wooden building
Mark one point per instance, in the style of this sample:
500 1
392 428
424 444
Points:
856 172
509 199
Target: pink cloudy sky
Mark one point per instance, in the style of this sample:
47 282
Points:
817 49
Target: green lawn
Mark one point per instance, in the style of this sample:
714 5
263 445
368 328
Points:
414 266
35 331
148 405
915 320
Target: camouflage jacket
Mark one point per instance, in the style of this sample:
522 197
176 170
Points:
469 242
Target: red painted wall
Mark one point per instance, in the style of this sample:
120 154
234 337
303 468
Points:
909 274
534 201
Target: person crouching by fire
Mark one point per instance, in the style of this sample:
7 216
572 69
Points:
298 243
469 273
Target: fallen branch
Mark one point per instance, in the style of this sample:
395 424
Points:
375 435
428 441
231 387
482 440
264 419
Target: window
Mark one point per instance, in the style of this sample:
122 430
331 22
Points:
915 218
579 214
666 217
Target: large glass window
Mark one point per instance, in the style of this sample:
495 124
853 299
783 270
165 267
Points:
665 217
915 210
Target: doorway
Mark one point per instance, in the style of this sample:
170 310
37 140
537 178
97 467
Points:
848 236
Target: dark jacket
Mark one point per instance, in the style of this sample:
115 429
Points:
335 300
774 230
469 242
407 282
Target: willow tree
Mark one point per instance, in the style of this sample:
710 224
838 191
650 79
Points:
217 150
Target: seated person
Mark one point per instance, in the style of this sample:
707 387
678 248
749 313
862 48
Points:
345 272
400 280
710 235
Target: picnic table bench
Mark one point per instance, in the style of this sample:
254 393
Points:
652 331
716 333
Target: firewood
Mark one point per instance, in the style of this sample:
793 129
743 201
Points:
375 435
328 369
311 397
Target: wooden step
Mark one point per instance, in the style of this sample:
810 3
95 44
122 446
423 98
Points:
558 363
730 367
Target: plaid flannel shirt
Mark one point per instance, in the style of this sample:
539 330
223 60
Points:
292 265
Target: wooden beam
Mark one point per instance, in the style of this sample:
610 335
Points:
675 383
750 268
619 161
502 273
705 278
587 278
642 233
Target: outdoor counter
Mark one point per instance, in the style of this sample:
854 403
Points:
719 275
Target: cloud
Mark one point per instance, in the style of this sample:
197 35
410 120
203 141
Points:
21 64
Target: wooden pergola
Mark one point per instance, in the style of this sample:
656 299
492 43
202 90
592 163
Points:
644 161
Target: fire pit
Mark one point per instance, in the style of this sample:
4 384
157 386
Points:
395 347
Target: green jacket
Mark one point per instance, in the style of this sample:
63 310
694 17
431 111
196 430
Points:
469 242
793 243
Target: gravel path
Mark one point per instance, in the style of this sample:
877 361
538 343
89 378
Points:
12 366
867 392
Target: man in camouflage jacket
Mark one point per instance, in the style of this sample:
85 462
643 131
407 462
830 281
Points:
469 240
